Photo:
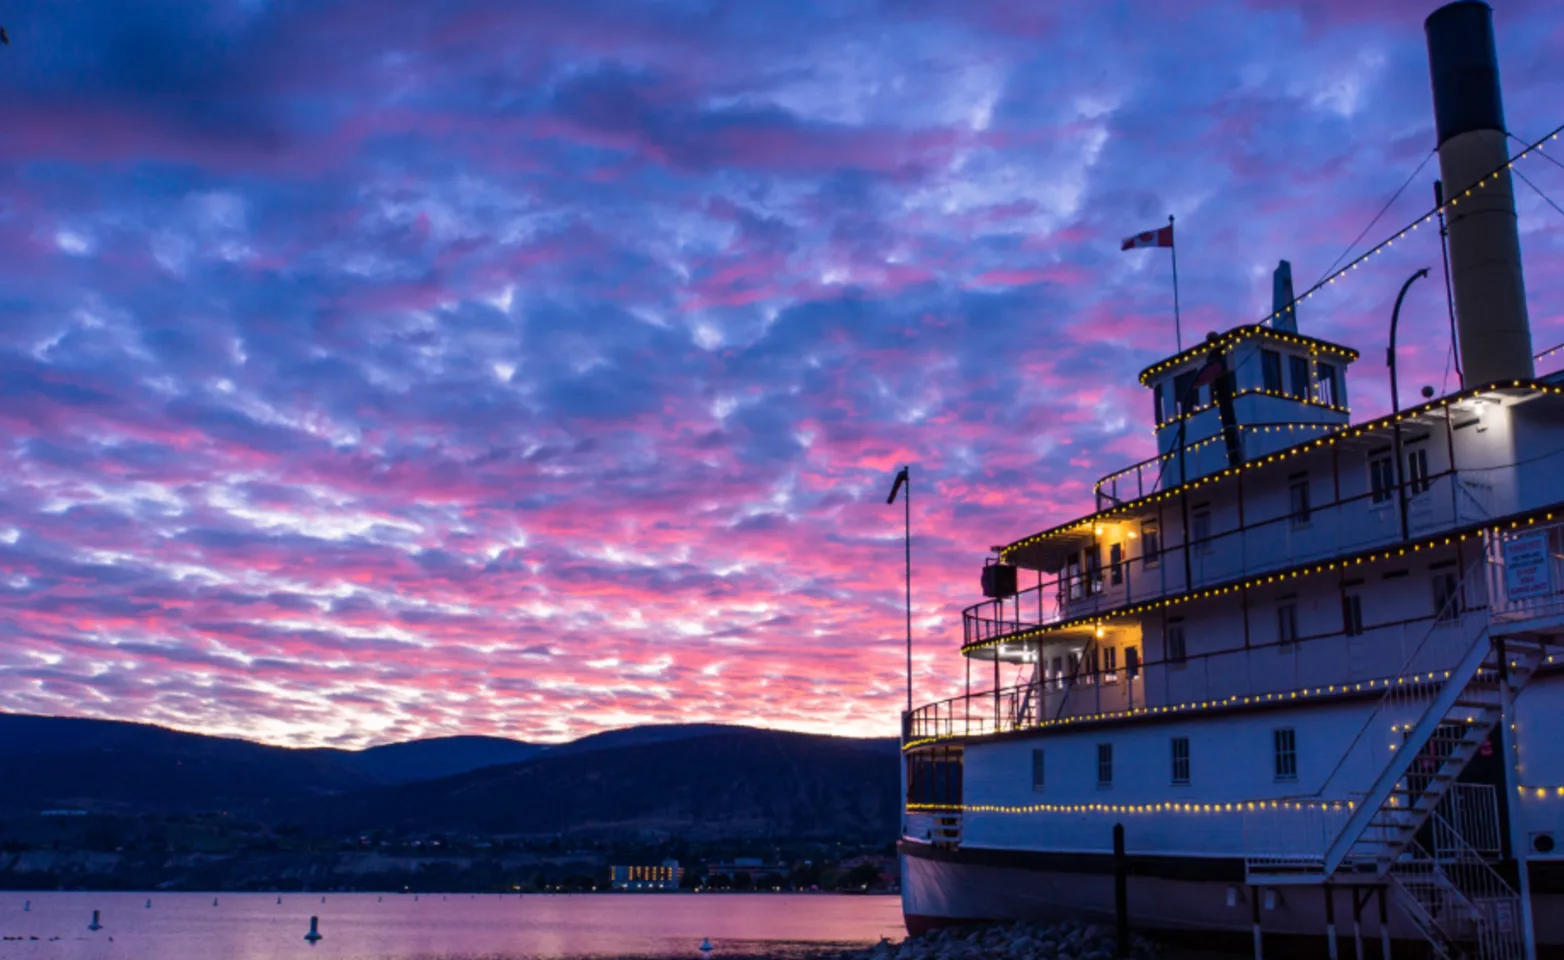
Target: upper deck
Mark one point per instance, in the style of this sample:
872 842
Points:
1315 501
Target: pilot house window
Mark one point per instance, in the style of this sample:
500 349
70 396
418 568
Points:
1327 382
1298 369
1271 370
1116 564
1186 394
1159 404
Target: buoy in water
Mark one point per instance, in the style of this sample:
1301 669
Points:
149 904
94 925
706 945
322 899
314 934
279 899
27 906
380 899
214 901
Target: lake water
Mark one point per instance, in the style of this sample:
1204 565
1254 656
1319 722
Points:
367 926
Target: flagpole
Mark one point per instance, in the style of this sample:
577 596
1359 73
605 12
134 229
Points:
1178 333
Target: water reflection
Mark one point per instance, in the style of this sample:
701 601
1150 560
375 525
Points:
402 927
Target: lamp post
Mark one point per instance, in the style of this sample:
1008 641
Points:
1395 397
904 479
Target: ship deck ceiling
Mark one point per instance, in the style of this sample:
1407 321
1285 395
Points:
1048 551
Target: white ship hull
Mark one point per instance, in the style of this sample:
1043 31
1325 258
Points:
953 887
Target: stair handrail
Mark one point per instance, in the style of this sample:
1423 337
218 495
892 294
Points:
1444 942
1484 885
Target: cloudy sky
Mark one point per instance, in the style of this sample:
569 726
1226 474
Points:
377 370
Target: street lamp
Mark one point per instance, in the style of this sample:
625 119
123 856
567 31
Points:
1395 397
904 478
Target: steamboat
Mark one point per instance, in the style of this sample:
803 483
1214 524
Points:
1294 676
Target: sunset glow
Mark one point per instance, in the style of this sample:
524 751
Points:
383 370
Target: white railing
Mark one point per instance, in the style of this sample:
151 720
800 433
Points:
1291 836
1468 819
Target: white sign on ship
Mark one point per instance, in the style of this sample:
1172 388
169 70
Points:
1526 567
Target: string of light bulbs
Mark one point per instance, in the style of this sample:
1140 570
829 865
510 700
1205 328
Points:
1344 433
1533 148
1231 806
1453 201
1097 618
1248 427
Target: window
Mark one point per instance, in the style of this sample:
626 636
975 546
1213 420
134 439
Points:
1104 764
1352 614
1417 471
1110 664
1185 394
1158 405
1287 624
1286 747
1072 574
1298 370
1326 375
1300 503
1058 671
1382 479
1037 769
1150 544
1174 641
1116 564
1447 598
1180 759
1271 370
1132 662
1091 661
1202 524
1075 665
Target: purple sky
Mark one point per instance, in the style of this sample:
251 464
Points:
377 370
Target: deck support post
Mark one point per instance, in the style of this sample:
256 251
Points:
1330 921
1384 927
1357 923
1254 917
1121 909
1517 835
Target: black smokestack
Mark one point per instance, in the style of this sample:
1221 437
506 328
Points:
1485 249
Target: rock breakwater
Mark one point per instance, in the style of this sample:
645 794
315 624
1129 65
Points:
1066 940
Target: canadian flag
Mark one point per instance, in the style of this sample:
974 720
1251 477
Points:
1151 238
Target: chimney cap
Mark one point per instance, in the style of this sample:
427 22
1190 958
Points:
1464 67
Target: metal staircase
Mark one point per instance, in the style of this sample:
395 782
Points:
1455 896
1447 699
1460 709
